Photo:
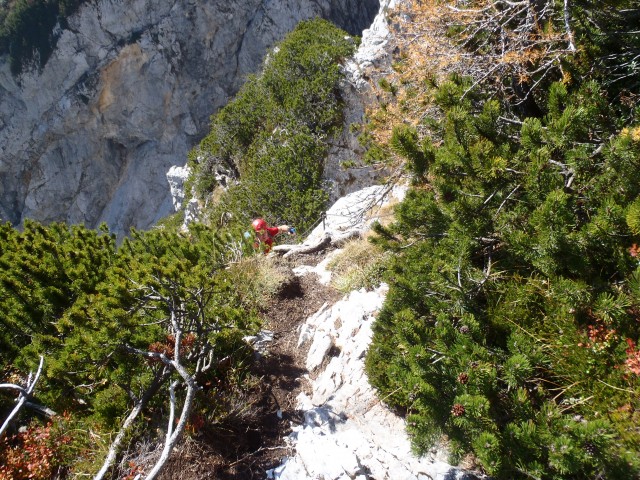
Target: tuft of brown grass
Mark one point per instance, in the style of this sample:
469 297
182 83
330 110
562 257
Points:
359 264
257 279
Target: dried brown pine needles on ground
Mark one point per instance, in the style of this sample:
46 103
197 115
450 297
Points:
507 47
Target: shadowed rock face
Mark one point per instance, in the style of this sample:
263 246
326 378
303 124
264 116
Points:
128 91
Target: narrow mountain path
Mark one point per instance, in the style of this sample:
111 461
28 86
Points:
283 363
255 439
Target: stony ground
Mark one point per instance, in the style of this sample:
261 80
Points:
253 445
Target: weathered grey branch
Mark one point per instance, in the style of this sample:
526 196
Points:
115 445
46 411
567 26
161 376
173 436
189 379
25 392
325 242
13 386
567 171
506 199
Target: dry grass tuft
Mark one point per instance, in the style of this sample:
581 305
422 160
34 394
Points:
257 279
359 265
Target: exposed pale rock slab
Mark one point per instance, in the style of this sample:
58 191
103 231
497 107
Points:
348 433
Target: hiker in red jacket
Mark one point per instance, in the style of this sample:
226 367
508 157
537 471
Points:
265 234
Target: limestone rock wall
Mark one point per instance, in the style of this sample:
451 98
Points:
361 73
128 91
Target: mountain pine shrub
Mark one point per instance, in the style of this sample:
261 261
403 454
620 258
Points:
271 139
512 319
45 270
92 309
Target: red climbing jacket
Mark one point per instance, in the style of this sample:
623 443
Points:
264 234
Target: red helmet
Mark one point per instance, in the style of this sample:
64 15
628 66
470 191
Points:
259 224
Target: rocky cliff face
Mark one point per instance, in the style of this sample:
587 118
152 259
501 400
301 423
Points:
125 95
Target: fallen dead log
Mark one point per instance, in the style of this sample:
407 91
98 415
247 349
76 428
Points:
341 239
289 250
326 241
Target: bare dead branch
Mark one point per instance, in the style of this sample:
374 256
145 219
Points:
25 393
173 436
506 199
567 26
180 321
161 376
12 386
46 411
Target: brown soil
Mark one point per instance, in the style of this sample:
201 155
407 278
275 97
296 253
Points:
256 443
